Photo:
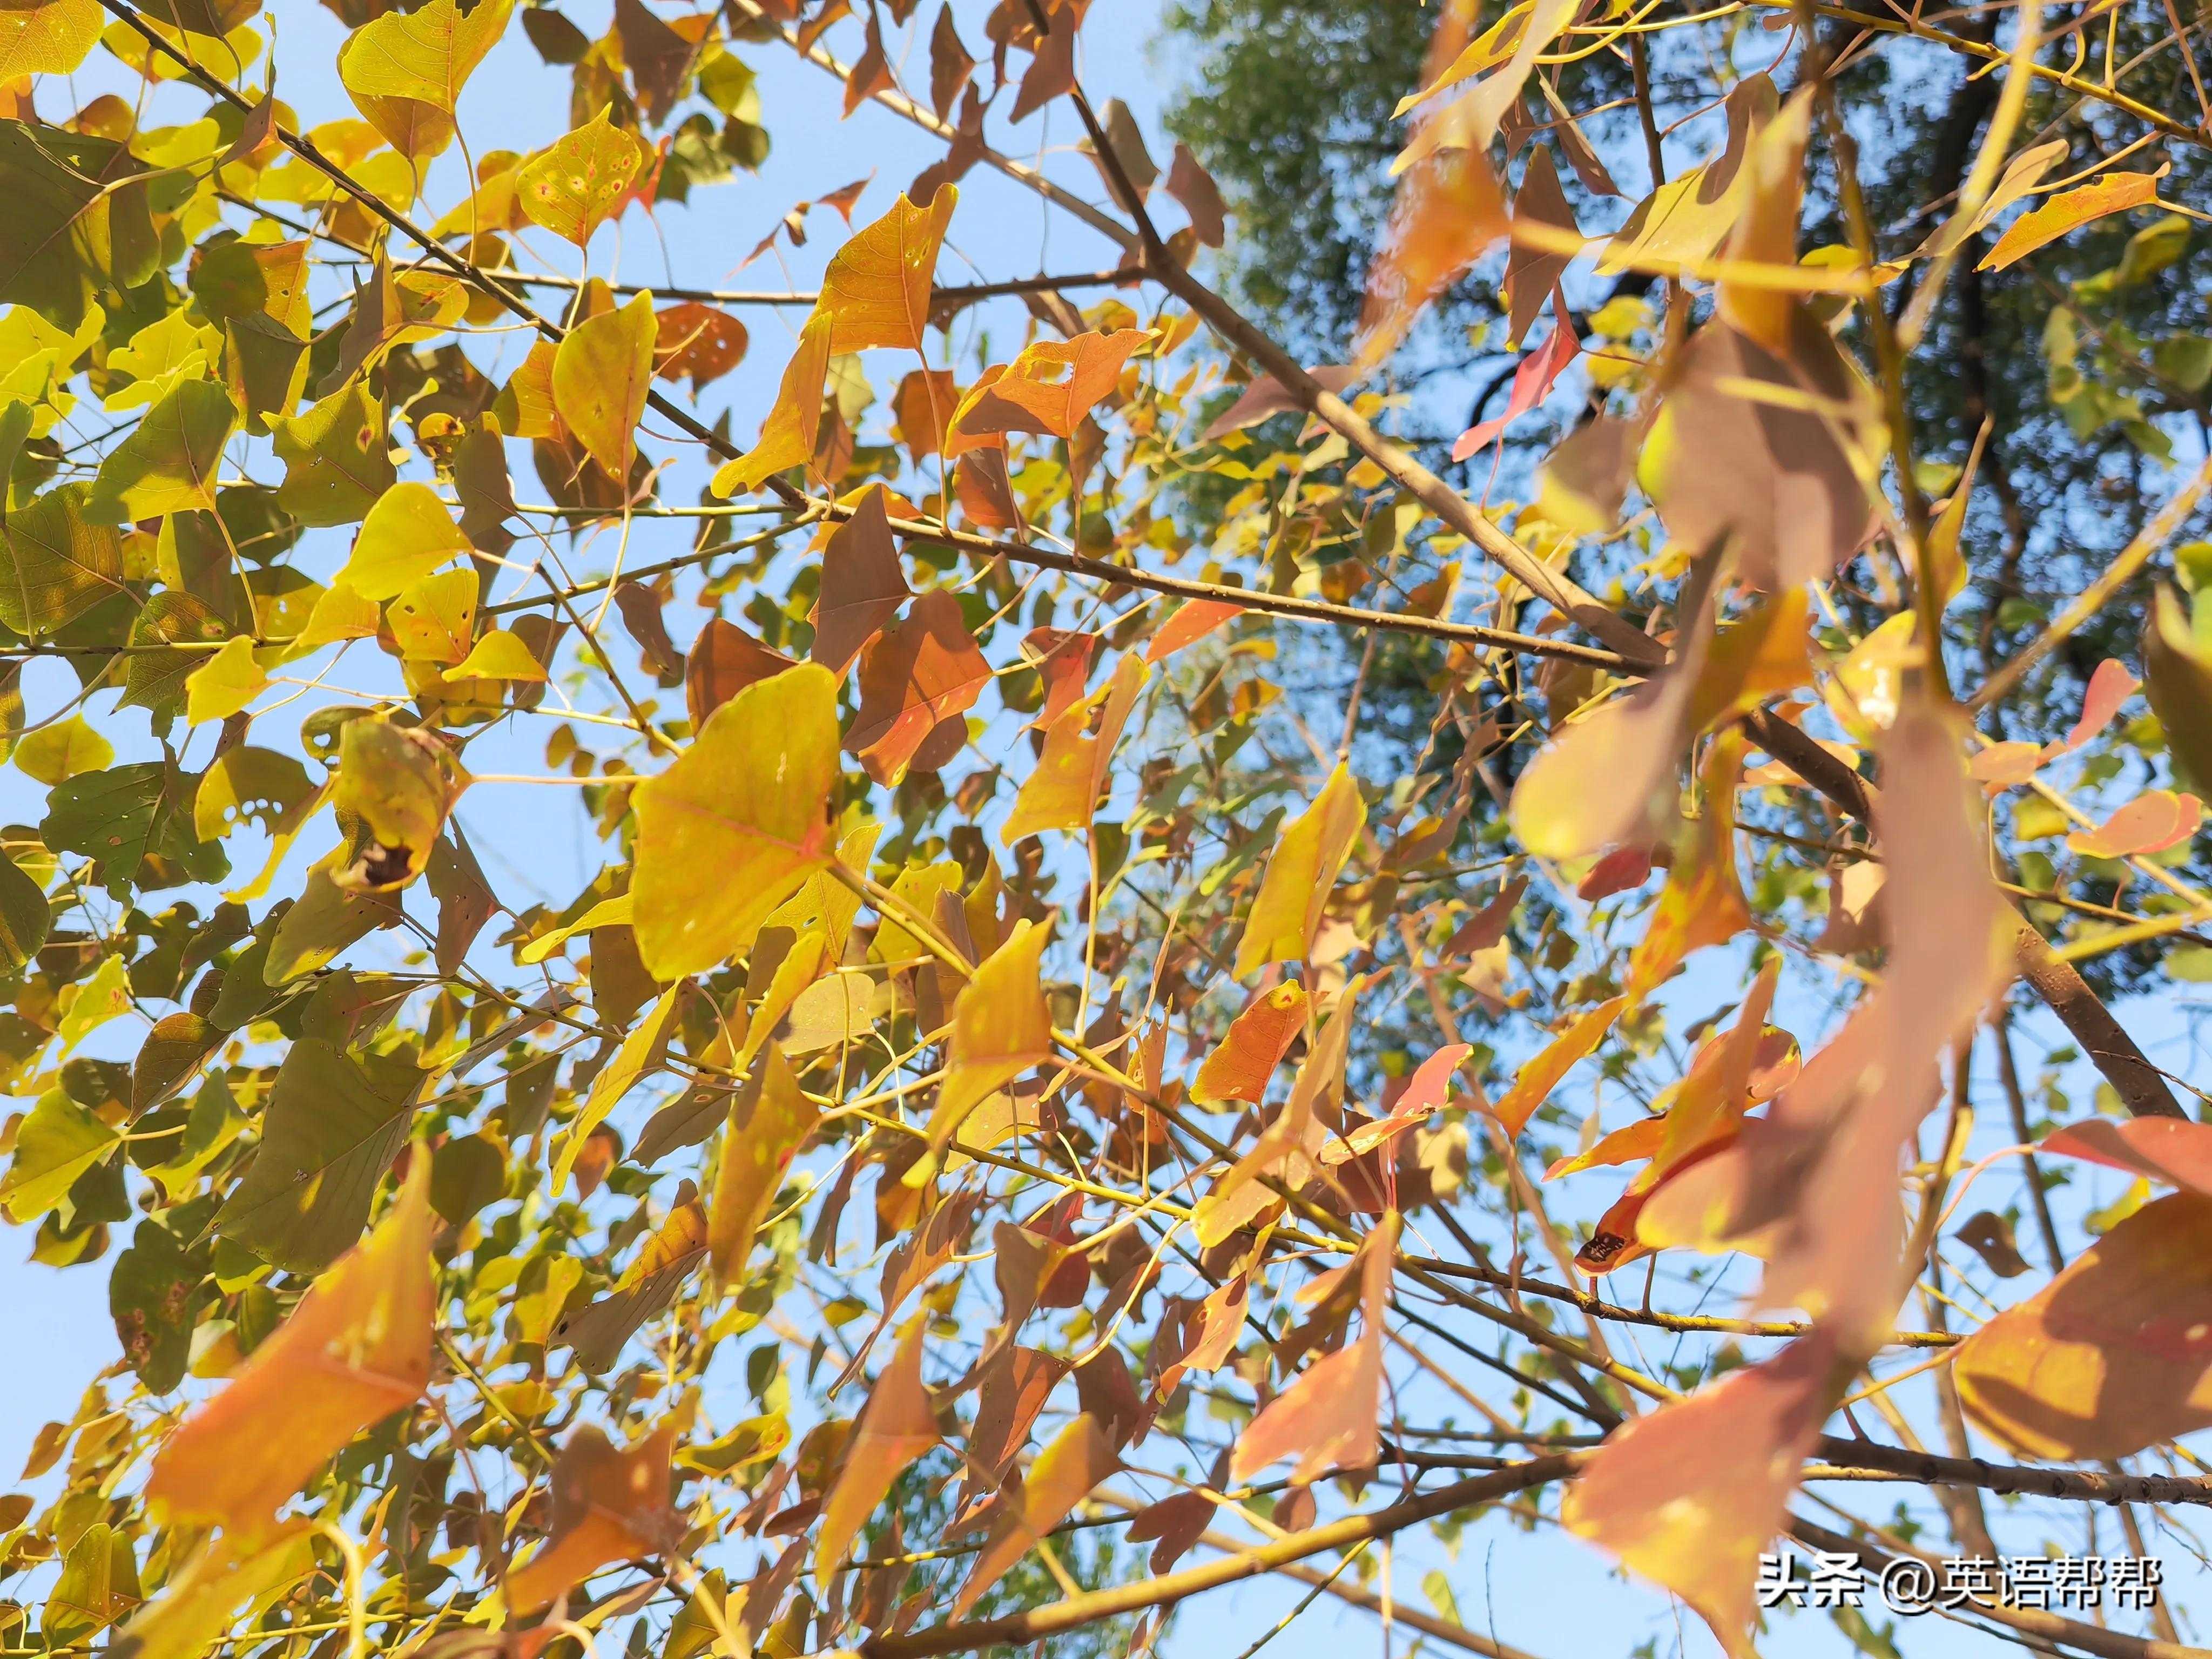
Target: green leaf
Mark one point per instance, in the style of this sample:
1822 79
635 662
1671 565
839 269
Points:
154 678
77 220
25 916
323 922
170 461
2178 672
337 462
331 1130
57 1142
150 1297
58 562
118 817
98 1584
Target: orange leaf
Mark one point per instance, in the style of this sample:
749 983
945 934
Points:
1240 1067
1294 888
2151 822
1449 212
895 1427
863 584
355 1350
697 343
1690 1495
1049 389
915 678
1534 1082
1811 1188
2168 1149
608 1506
1631 1144
1192 623
1327 1417
1703 903
1423 1094
1079 1458
1285 1150
1063 789
2109 686
2114 1354
876 291
2116 193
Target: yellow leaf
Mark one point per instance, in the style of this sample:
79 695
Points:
2116 193
340 613
355 1350
1000 1028
407 535
1534 1082
601 373
404 70
572 185
787 438
202 1599
769 1122
55 753
749 802
1079 1458
397 782
614 1081
1063 789
876 291
500 655
48 38
433 619
1310 851
224 684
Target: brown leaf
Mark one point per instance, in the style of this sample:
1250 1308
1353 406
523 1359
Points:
1989 1236
658 57
1530 271
724 660
608 1505
1190 184
863 584
914 676
949 63
1267 396
640 610
896 1426
1326 1419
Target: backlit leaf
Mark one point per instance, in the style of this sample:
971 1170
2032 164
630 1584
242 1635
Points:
876 291
1294 887
749 799
601 373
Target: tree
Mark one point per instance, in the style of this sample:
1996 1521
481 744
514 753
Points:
1001 1092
